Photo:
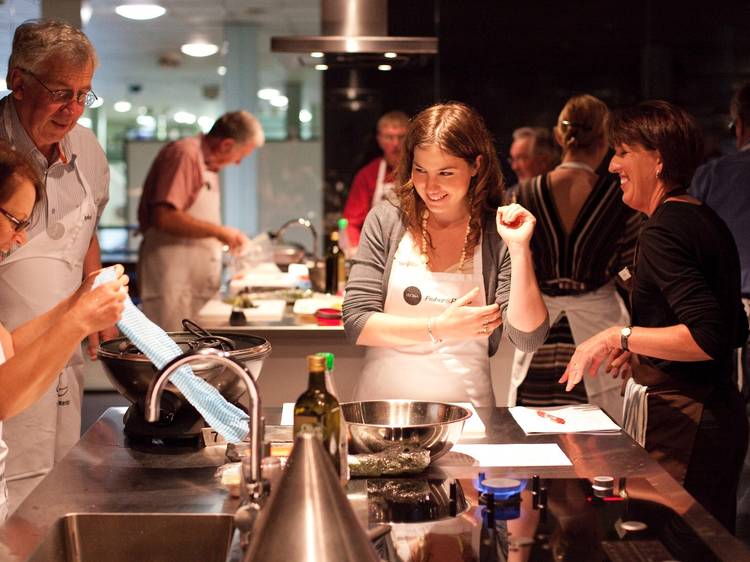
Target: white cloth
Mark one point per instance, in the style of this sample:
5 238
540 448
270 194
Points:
635 411
33 278
382 187
180 275
455 371
588 314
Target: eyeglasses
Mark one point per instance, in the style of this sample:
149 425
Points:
85 98
18 224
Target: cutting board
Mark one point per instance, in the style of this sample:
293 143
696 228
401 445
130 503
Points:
266 311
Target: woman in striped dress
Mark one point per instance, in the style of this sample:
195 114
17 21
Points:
585 235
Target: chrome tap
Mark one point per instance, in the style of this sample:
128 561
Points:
304 223
251 489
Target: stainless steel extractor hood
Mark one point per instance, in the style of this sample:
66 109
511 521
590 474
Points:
354 27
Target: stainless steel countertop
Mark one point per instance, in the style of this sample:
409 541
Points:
101 474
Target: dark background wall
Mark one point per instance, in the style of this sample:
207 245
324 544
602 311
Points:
517 63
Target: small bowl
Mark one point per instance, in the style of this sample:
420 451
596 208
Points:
328 317
376 425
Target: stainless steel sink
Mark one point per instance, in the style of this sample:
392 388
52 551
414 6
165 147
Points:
128 537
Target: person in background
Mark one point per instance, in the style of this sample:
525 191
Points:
584 237
179 261
441 268
532 152
681 403
375 180
724 185
50 72
32 355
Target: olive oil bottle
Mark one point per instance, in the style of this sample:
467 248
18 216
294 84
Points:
318 411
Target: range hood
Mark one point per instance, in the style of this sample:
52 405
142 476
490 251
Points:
355 27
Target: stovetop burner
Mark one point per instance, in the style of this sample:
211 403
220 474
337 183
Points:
548 520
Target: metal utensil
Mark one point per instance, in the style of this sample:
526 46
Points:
376 425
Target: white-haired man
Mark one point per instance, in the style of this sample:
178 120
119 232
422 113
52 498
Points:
179 265
50 72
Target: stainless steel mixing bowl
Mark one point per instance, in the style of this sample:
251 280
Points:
376 425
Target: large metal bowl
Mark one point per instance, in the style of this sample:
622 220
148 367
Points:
376 425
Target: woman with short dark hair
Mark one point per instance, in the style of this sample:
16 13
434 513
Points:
687 317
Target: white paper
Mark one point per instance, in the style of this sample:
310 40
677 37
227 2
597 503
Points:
474 426
287 413
578 418
535 454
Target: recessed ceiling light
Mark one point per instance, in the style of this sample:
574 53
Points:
146 121
85 122
305 116
384 67
184 117
317 55
122 106
199 49
98 102
268 93
140 11
321 67
280 101
221 71
205 123
390 55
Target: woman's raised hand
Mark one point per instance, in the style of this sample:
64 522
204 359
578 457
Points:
515 224
98 309
462 321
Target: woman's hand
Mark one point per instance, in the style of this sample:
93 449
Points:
100 308
515 225
598 349
462 321
107 332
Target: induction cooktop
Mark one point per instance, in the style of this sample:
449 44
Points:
604 519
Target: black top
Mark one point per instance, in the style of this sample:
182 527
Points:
600 243
687 272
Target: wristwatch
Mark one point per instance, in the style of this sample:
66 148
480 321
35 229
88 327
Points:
624 335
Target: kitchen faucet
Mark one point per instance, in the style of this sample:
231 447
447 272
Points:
252 489
304 223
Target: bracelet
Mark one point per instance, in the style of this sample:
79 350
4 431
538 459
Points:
433 339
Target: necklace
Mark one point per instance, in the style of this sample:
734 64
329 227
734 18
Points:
573 165
426 258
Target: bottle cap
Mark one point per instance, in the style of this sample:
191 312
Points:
343 223
316 363
335 235
329 359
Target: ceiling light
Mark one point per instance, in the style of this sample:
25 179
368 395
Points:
140 11
384 67
184 117
98 102
305 116
205 123
280 101
221 71
268 93
390 55
85 121
146 121
317 55
122 106
3 85
321 67
199 49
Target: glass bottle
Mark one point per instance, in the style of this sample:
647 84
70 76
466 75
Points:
335 267
318 411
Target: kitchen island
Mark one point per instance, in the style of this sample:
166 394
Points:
101 474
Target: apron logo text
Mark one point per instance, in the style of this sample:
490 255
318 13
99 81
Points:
412 295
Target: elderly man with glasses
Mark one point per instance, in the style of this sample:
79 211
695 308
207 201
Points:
50 73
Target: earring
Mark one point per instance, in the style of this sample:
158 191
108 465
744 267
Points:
658 174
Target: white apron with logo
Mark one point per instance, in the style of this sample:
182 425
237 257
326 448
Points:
382 188
588 314
33 279
454 371
179 275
